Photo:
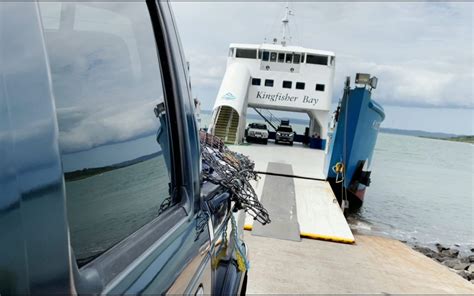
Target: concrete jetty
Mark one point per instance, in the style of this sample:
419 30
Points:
371 265
286 260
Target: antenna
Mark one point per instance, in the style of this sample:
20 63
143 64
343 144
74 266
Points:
285 36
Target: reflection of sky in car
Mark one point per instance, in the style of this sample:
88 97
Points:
105 84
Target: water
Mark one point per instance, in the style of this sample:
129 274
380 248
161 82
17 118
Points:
105 208
421 191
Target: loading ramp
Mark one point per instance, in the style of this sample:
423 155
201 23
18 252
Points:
292 188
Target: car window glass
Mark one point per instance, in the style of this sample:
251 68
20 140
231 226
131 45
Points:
285 129
115 154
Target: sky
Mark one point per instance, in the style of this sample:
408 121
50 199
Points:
421 52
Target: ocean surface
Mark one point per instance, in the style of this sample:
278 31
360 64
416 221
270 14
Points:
421 191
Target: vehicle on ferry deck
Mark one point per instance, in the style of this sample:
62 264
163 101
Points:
257 132
101 190
284 134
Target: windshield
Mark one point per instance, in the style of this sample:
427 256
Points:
287 129
258 126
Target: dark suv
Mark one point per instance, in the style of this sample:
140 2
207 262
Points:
284 134
100 181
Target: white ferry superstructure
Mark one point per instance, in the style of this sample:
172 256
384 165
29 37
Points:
276 77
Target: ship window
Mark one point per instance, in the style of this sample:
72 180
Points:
320 87
286 84
106 84
273 57
256 81
231 52
246 53
281 57
302 58
316 59
289 57
299 85
268 82
265 56
296 58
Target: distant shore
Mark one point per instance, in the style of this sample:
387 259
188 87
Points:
464 139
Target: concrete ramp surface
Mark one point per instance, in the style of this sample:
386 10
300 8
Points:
372 265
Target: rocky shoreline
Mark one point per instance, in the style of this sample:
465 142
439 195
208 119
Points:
463 265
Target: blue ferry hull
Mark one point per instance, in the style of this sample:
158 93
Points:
353 146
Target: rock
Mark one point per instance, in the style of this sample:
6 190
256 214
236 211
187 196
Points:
424 250
471 258
472 250
461 266
440 247
451 253
470 269
464 274
464 259
451 262
472 282
456 245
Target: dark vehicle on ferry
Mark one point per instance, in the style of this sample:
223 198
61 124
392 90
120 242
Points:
284 134
100 181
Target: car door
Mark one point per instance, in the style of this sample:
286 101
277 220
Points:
117 209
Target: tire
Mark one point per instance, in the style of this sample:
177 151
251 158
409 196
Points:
291 143
265 141
276 141
248 139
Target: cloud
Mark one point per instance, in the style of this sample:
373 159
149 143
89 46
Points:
415 83
206 70
84 129
421 52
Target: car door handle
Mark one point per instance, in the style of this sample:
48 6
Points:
216 201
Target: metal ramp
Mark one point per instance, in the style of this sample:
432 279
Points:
227 124
300 202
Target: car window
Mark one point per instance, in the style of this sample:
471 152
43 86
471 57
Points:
106 81
285 129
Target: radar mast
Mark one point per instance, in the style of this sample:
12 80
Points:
285 35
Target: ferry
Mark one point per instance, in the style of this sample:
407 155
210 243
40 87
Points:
278 76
